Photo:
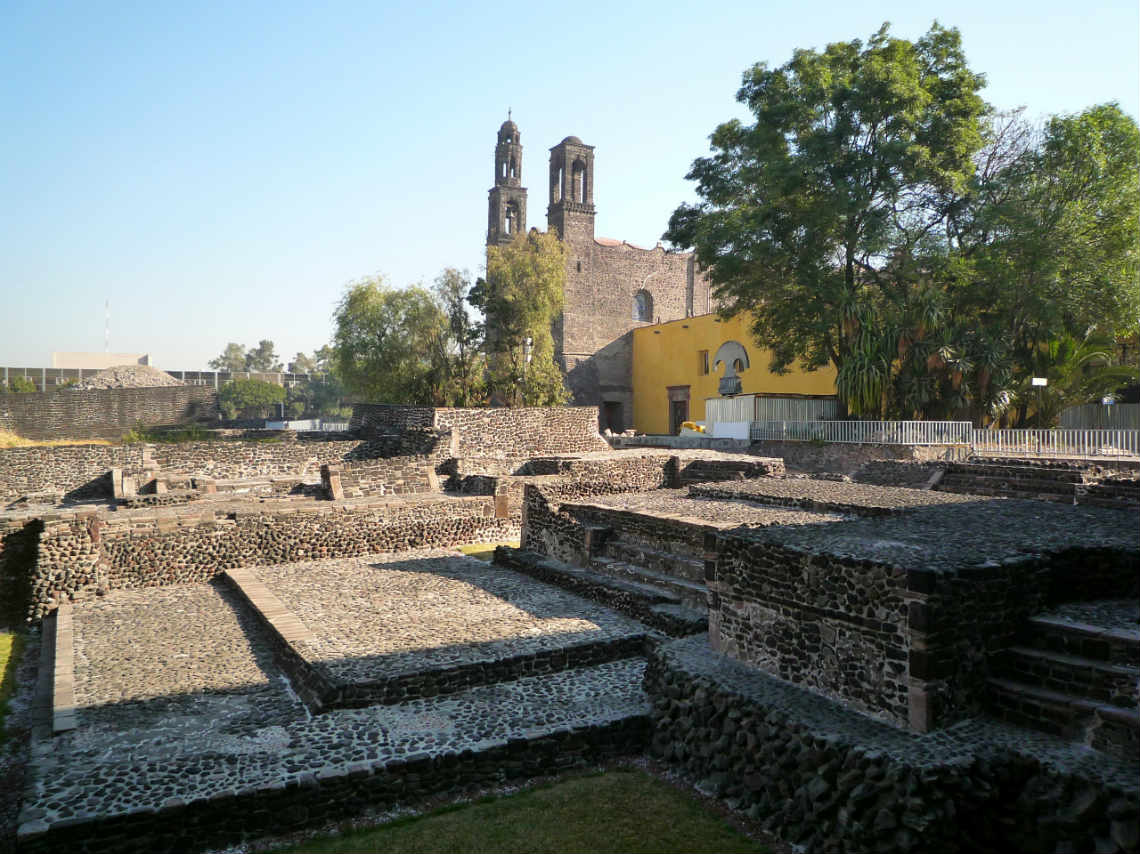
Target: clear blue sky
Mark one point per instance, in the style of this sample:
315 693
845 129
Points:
219 171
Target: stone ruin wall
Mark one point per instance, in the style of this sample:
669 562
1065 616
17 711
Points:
75 470
78 557
492 432
849 457
104 413
833 624
865 790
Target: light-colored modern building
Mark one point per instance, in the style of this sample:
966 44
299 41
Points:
97 361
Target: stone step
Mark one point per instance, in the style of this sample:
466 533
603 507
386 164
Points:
692 594
689 549
1110 729
634 598
322 691
1084 640
1100 681
668 563
178 793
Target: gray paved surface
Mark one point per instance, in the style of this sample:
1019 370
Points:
1119 614
962 535
180 699
723 513
833 495
389 614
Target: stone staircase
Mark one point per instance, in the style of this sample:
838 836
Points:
1013 480
1077 680
1043 480
671 604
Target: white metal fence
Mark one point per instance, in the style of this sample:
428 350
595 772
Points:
754 407
1098 416
1061 443
308 425
881 432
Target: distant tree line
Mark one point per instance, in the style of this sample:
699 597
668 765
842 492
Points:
457 343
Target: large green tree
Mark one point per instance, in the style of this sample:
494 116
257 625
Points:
520 299
390 344
231 359
249 398
465 366
1049 255
825 217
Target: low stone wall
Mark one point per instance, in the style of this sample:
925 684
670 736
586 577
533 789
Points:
244 458
828 780
492 432
75 470
330 794
834 624
81 556
909 474
553 524
848 457
103 413
393 476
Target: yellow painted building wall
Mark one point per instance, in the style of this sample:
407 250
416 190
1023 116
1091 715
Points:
667 354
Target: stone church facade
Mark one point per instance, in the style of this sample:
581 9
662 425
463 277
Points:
612 287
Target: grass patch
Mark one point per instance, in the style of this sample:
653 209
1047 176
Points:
142 434
625 811
485 551
8 439
11 647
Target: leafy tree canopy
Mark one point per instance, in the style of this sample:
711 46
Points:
249 398
520 299
881 217
387 341
236 358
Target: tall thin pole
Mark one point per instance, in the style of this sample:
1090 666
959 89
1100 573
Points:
107 326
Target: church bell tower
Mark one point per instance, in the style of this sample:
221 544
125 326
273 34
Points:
506 207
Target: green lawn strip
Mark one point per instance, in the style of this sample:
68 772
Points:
617 811
485 551
11 645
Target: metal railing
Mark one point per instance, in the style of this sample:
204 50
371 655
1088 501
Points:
879 432
308 425
1098 416
1060 443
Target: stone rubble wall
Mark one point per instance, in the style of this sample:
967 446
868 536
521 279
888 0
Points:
76 470
833 624
848 457
492 432
236 459
80 557
550 529
835 788
103 413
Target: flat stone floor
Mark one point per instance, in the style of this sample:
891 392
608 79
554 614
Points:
1116 614
723 513
973 533
832 495
384 615
180 699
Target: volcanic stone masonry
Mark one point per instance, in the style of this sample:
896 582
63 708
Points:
103 413
82 556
